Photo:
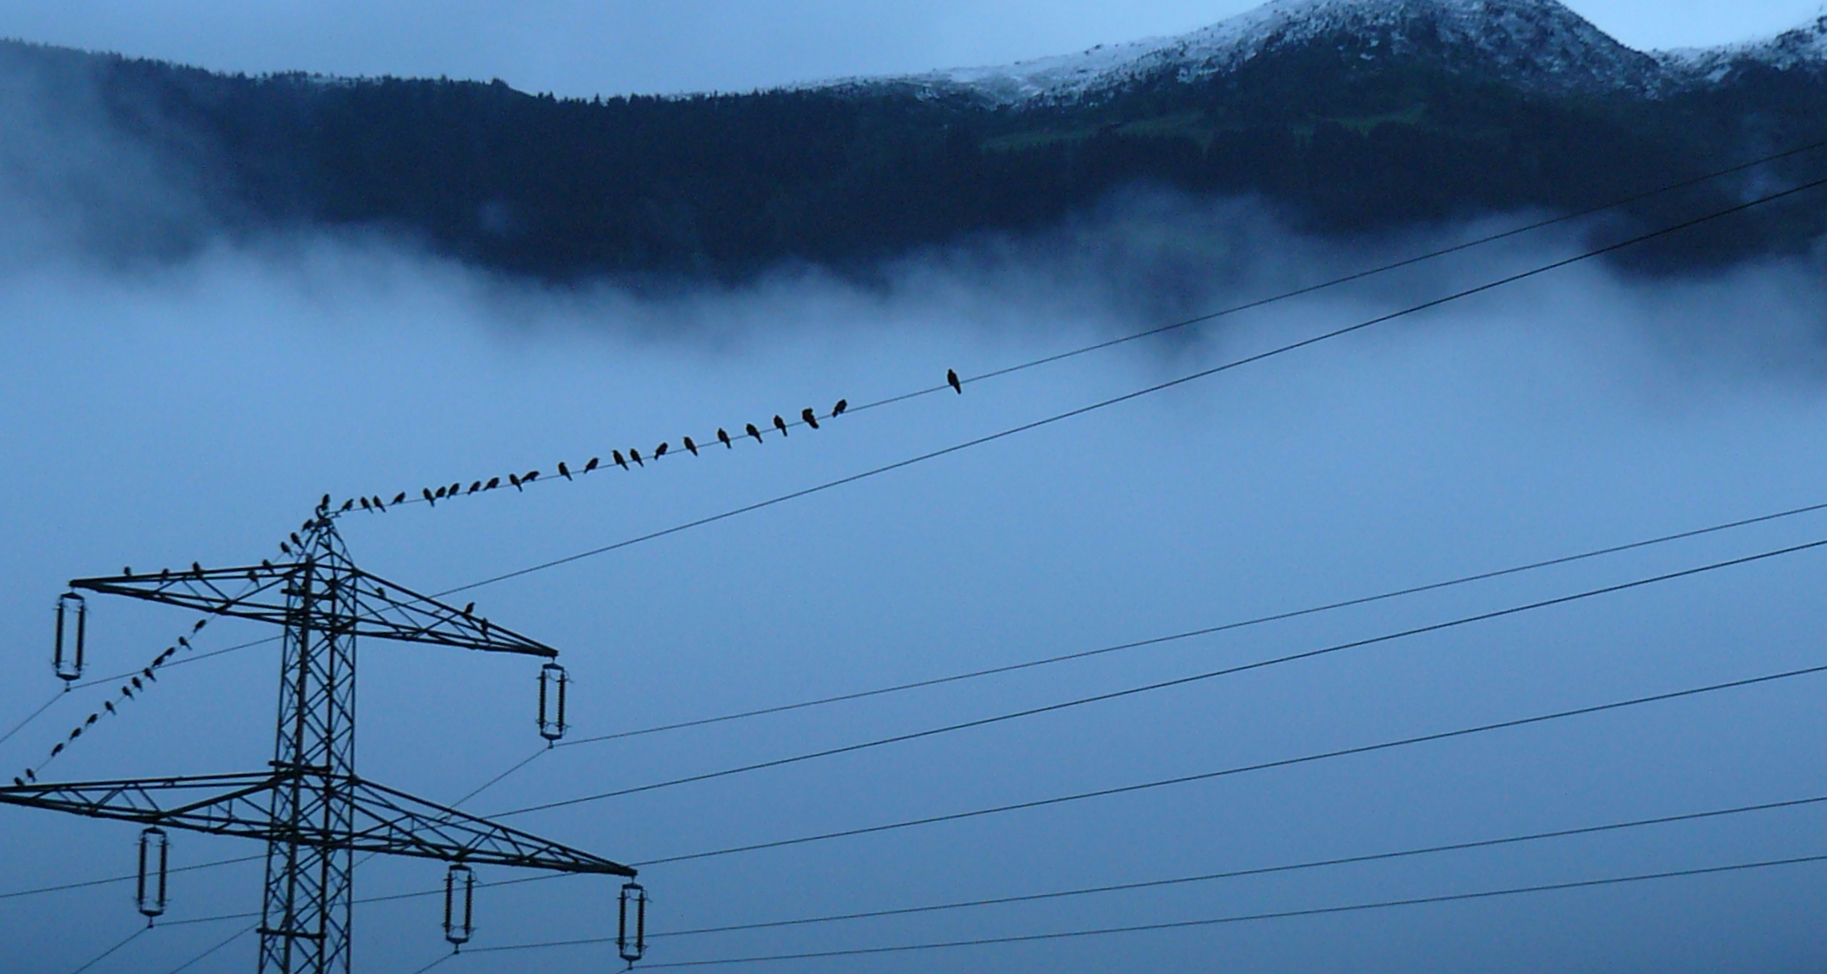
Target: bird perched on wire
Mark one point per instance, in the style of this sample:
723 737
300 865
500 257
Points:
348 505
108 705
592 464
56 750
196 568
92 719
780 424
474 487
754 432
529 477
635 455
723 436
469 609
620 460
296 541
29 776
838 410
429 499
951 377
514 479
659 451
493 482
563 470
284 549
809 416
399 497
325 502
196 627
693 447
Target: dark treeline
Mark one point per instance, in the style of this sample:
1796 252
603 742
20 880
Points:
725 186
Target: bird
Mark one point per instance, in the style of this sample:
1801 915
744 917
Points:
57 750
838 410
493 482
295 539
809 416
377 503
92 719
137 685
780 424
440 494
196 568
349 505
475 487
514 479
164 573
126 570
265 564
454 488
531 476
283 548
754 432
74 734
724 436
659 451
29 776
184 642
126 693
399 497
147 673
469 609
18 782
617 455
951 376
253 576
635 455
592 464
693 447
366 506
380 592
564 471
108 705
429 499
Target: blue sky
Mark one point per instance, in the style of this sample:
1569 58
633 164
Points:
586 47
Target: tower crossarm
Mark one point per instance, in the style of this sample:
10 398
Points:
383 610
394 822
386 821
222 804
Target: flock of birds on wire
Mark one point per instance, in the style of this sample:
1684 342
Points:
129 690
432 495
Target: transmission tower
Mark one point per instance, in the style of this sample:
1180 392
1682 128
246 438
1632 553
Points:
311 808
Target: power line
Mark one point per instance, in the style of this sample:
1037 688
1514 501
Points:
1257 871
1146 391
237 935
1248 768
1258 620
520 482
98 958
1178 681
1215 921
125 879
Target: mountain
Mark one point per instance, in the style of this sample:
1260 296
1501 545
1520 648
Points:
1346 117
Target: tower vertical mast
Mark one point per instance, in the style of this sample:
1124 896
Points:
306 917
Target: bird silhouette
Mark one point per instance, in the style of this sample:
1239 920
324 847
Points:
92 719
183 642
493 482
531 475
809 416
469 609
723 436
325 502
474 487
137 685
18 782
592 464
126 693
253 576
754 432
126 570
563 470
200 623
147 673
441 492
366 506
296 541
57 750
454 488
196 568
951 377
693 447
429 499
76 733
265 564
659 451
635 455
619 461
284 548
164 573
348 505
838 410
108 705
515 480
378 504
29 776
780 424
399 497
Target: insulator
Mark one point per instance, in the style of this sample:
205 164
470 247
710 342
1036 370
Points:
552 681
631 951
72 622
459 899
155 850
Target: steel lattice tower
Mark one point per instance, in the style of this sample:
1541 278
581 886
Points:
311 808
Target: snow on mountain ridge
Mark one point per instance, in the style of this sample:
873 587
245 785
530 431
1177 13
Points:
1538 45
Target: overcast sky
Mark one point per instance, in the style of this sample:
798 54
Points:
584 47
